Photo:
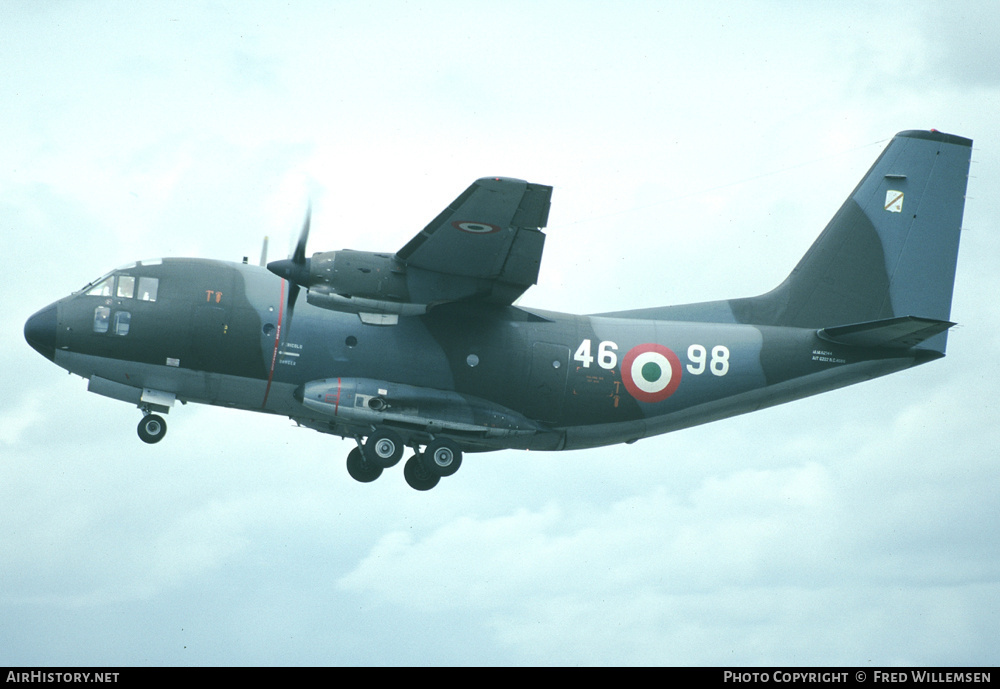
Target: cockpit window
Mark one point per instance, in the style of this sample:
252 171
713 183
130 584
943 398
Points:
123 320
126 287
148 288
102 314
102 288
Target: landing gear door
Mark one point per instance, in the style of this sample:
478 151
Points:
547 382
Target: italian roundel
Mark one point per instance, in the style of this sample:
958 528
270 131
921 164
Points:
475 227
651 372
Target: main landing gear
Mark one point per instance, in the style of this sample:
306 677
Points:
423 470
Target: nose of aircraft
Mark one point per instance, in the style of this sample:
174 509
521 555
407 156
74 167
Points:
40 332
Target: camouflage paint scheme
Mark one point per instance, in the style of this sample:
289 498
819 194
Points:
426 354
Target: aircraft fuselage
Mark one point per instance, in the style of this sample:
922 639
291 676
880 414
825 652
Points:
212 336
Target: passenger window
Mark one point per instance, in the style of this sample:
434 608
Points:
122 321
102 315
101 289
126 287
147 288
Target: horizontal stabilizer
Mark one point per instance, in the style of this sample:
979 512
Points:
892 333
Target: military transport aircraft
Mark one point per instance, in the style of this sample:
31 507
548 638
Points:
424 348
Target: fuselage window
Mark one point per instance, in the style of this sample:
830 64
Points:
148 288
126 287
102 314
101 289
122 321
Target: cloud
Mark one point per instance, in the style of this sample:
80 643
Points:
747 568
13 422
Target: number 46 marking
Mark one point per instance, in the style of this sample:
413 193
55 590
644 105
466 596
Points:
607 358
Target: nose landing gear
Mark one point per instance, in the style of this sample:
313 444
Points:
152 428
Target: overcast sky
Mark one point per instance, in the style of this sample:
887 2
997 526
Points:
696 150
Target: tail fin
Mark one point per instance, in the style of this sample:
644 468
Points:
891 249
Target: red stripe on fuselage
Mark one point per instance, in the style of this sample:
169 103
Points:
277 342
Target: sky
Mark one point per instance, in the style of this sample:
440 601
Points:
696 150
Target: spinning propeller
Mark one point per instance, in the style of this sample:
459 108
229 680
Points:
372 285
295 270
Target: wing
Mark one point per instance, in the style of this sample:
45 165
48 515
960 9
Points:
488 236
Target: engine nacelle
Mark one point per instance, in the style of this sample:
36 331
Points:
374 276
364 401
368 309
381 287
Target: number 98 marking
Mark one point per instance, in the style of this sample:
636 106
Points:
718 365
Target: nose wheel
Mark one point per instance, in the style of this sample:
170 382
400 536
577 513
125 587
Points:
152 428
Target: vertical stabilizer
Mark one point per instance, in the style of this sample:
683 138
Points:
891 249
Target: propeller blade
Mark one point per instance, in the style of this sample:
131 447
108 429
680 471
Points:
295 270
286 327
299 257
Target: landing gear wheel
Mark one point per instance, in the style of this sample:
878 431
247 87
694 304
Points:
417 476
384 448
152 428
441 457
361 469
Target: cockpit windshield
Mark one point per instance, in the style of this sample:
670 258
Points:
102 288
122 284
124 287
95 288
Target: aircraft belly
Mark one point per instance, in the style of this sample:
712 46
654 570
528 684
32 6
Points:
187 385
581 437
